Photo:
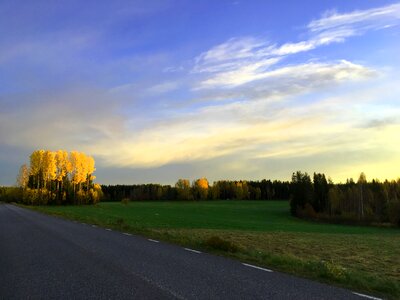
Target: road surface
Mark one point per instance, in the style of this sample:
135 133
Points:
44 257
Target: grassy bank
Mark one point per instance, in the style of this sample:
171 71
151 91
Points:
360 258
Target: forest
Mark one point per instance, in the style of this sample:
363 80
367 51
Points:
200 189
360 202
55 177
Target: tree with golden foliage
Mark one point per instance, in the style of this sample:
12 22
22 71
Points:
60 175
49 167
200 188
23 176
36 167
63 166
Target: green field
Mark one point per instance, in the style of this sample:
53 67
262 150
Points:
360 258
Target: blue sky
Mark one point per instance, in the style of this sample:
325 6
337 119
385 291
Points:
161 90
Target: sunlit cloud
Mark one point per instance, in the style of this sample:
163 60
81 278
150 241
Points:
297 74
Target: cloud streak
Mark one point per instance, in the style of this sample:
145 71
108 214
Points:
358 21
242 60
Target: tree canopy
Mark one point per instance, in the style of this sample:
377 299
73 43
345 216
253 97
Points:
58 177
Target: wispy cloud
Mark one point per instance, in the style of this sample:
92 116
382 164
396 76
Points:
242 60
359 20
297 75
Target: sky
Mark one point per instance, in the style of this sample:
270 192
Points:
161 90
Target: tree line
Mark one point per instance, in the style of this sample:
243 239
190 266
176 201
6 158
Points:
358 202
56 177
67 178
200 189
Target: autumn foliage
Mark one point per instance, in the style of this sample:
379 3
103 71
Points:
59 177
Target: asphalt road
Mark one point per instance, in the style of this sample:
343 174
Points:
44 257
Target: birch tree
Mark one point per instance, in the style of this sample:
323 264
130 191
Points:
36 167
23 176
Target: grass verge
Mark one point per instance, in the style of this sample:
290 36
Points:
363 259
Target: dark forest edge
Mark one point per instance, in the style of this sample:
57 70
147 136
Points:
361 202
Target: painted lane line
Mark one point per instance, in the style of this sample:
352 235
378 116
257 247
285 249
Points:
154 241
191 250
127 233
108 229
366 296
255 267
94 226
83 223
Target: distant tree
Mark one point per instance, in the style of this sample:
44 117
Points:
321 189
183 189
214 192
362 180
23 176
200 189
302 191
335 200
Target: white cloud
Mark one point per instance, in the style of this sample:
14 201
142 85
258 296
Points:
243 60
375 18
233 49
295 75
164 87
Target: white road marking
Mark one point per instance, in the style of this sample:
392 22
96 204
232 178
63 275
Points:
191 250
251 266
126 233
108 229
366 296
94 226
83 223
154 241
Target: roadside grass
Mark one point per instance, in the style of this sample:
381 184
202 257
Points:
365 259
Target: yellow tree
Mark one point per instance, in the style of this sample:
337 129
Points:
90 170
83 168
78 168
74 171
23 176
49 167
36 165
63 166
200 187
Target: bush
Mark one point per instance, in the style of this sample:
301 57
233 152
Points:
215 242
125 201
307 212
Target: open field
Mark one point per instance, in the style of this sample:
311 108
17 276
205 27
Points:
361 258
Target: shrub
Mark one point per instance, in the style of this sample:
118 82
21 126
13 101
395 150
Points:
125 201
215 242
307 212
